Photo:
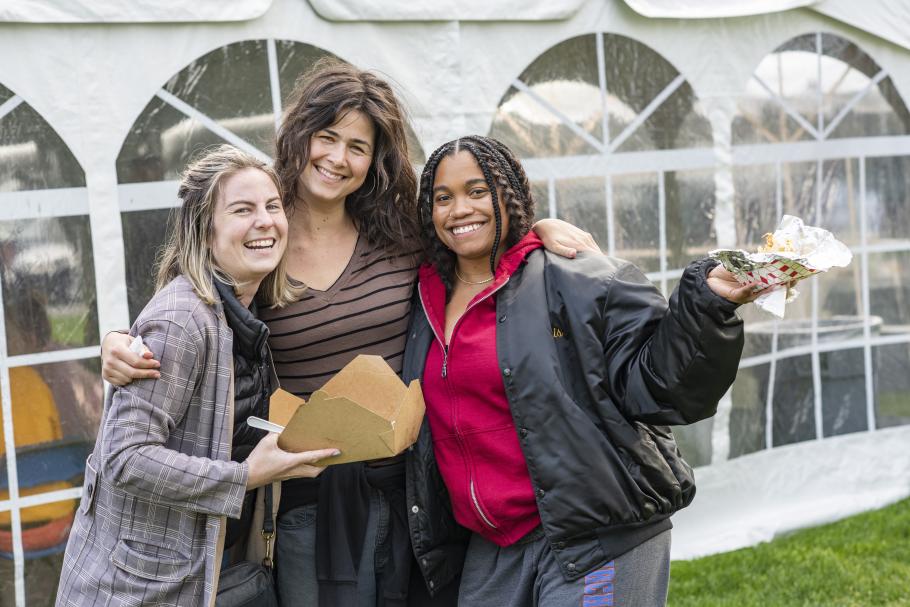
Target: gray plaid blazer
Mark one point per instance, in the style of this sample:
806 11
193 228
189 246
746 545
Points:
160 481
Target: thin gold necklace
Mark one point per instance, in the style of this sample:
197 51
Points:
471 282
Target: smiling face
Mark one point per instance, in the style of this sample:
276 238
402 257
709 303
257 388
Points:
249 229
339 159
463 210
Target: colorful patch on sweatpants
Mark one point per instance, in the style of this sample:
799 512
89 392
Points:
599 587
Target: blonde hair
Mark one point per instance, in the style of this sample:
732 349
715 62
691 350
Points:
188 249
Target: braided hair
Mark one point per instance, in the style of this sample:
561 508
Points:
504 176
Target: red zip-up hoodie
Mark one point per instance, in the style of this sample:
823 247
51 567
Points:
474 437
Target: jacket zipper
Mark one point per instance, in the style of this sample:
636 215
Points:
477 507
445 346
445 360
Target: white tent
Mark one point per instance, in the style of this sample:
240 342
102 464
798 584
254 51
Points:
664 128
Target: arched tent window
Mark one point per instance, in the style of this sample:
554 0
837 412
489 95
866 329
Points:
615 141
234 94
822 133
50 388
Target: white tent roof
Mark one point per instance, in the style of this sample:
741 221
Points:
887 19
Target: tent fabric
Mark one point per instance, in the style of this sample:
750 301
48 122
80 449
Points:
117 11
710 9
739 504
445 10
887 19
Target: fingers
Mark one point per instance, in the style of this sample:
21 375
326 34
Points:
309 457
587 243
563 250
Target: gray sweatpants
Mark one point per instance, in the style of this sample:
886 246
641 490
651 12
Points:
526 574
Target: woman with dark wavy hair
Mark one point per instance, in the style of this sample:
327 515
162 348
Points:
342 158
545 382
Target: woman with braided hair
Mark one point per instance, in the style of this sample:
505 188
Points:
545 382
342 159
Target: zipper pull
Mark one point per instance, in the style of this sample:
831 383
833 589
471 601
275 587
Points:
445 360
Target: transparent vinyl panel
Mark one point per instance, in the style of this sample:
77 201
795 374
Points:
49 298
818 86
32 155
144 234
834 358
597 93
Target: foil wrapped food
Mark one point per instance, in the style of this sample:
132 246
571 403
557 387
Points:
792 253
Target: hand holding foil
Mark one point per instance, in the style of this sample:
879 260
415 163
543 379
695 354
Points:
792 253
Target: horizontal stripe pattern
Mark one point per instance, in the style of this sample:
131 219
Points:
366 311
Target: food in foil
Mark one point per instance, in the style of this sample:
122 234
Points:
793 252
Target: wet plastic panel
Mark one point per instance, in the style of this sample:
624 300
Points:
689 208
636 217
32 155
892 385
582 201
748 414
48 284
144 233
887 193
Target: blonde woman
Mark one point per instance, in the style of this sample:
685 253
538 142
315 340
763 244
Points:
162 480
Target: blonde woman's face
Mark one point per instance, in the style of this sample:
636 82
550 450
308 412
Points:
249 228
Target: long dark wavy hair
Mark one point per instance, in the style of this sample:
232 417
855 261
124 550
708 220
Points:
504 176
383 207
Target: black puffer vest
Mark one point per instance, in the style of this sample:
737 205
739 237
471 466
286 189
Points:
254 376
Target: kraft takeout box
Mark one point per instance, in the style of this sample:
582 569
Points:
365 410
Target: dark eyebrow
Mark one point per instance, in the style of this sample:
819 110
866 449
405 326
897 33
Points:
362 142
471 182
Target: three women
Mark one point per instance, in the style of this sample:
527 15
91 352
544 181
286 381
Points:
353 241
349 539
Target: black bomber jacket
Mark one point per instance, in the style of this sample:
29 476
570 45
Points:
595 362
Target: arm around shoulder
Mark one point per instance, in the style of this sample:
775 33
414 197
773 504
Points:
142 418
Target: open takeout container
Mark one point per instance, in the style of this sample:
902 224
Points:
365 411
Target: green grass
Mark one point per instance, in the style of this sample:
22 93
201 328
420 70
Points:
862 560
896 404
69 329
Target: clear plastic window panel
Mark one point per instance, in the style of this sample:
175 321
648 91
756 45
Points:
42 567
32 155
694 441
892 385
231 86
144 233
557 106
689 205
889 291
48 278
793 402
540 193
887 193
748 413
637 219
847 77
818 86
56 413
843 380
566 79
161 143
582 201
